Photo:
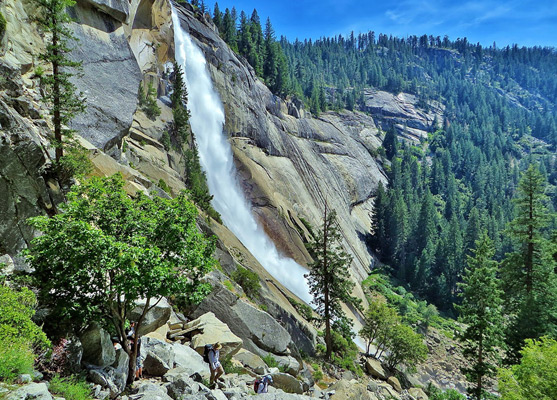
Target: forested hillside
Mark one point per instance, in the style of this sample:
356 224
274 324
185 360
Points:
489 165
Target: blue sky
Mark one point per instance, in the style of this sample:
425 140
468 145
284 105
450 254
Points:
526 23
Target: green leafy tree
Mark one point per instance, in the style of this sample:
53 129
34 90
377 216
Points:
59 91
405 346
179 98
328 278
108 250
481 311
535 378
379 319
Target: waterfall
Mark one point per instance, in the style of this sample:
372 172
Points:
215 155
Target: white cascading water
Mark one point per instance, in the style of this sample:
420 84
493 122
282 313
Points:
215 155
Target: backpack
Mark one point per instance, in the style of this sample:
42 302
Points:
256 384
206 350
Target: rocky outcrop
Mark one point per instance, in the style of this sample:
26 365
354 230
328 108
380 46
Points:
375 369
402 112
117 9
158 356
209 330
97 347
110 78
259 331
350 390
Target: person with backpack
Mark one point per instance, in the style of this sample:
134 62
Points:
211 355
262 385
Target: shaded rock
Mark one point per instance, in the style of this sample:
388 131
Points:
154 319
287 383
258 330
97 347
24 378
418 394
158 356
122 362
211 330
117 9
190 361
375 369
35 391
394 382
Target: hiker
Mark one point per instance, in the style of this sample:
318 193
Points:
262 385
131 335
212 354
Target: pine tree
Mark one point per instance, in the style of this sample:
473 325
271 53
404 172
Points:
328 278
59 90
528 273
217 17
179 98
481 311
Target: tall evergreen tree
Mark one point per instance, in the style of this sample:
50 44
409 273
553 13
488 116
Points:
529 273
59 90
481 311
328 278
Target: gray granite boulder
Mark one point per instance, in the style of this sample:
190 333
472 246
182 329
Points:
158 356
97 347
35 391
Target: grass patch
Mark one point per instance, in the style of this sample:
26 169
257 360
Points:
70 388
16 358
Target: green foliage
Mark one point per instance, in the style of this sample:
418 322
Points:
20 337
148 102
58 90
303 309
74 163
317 372
16 312
229 285
108 250
528 273
437 394
164 186
345 353
328 278
406 346
70 388
165 140
379 320
2 25
481 312
16 357
270 361
230 368
535 377
248 280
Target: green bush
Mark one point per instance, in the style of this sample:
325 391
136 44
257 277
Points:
74 163
270 361
148 102
438 394
70 388
164 186
303 309
317 372
16 357
248 280
2 25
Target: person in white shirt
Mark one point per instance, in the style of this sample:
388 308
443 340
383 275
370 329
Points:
214 364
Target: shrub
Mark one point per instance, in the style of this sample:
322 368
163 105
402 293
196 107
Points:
248 280
230 368
317 372
406 346
75 162
438 394
148 102
16 357
70 388
303 309
270 361
164 186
